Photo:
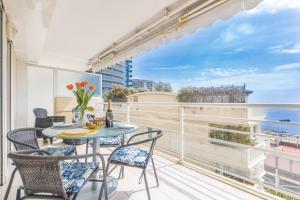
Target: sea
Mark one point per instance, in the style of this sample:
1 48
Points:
277 115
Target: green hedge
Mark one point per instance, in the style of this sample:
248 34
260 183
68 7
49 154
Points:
281 195
230 136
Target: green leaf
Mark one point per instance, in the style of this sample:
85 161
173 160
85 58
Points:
90 108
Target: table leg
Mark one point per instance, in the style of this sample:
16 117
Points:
96 149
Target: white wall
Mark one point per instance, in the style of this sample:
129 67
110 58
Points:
21 94
8 98
40 91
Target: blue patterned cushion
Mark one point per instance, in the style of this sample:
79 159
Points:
61 151
110 141
131 155
75 174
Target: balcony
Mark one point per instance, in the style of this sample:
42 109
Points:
177 182
227 139
208 151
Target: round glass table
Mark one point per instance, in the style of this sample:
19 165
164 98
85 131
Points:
73 132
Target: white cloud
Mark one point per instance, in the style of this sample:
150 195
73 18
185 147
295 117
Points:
245 29
234 32
228 36
180 67
228 72
238 50
290 66
289 48
255 81
293 49
273 6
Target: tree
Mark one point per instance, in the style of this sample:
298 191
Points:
163 87
228 94
186 94
139 90
119 94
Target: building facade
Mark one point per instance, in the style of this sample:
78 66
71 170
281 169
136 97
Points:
119 75
128 73
143 84
113 76
245 162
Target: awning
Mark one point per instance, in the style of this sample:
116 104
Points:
171 23
66 33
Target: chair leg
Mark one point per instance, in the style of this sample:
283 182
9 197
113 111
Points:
75 196
9 184
121 173
141 176
103 188
18 196
147 187
155 173
87 148
76 153
104 185
51 140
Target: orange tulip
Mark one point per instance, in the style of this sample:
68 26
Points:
91 87
78 85
70 87
84 83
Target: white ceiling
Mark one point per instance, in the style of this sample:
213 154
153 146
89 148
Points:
66 33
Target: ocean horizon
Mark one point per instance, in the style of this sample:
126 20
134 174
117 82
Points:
279 114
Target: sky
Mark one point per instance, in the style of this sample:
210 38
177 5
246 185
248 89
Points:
260 48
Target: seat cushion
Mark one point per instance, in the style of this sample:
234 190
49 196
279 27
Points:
110 141
75 174
132 155
61 151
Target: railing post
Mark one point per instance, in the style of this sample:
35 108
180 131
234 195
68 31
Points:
127 113
181 134
276 172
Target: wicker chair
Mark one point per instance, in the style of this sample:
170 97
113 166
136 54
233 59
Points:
40 112
25 139
46 176
42 121
115 141
133 154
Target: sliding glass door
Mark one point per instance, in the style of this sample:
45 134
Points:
1 99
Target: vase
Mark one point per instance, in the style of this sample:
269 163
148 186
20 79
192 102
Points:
80 120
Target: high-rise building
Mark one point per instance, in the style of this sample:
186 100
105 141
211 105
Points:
143 84
119 75
128 73
113 76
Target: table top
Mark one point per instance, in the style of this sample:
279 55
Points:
89 134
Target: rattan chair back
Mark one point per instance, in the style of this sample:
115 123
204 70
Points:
40 112
39 173
23 139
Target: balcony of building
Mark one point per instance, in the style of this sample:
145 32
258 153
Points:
208 150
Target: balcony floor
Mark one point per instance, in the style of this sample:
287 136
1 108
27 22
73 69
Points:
176 183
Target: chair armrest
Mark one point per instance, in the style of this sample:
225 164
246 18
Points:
33 151
72 157
76 157
144 133
21 143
